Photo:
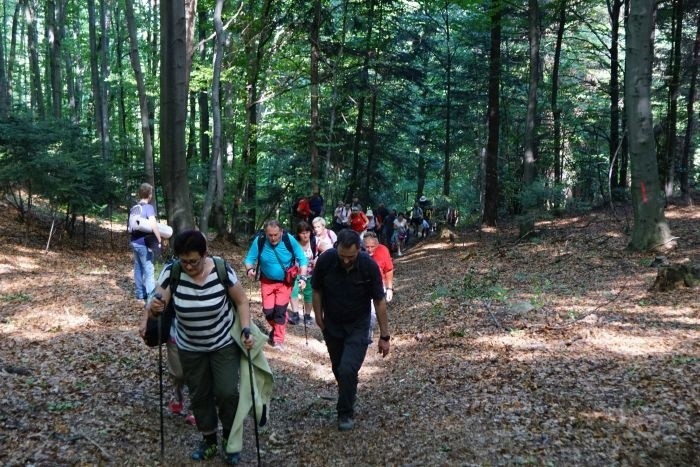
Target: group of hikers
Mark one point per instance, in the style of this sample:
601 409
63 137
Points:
343 275
393 228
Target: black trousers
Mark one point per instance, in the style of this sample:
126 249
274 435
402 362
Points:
347 348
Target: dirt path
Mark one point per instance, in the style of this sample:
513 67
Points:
551 352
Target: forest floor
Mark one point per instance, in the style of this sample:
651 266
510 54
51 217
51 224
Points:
551 351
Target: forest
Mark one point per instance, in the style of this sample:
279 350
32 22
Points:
234 109
546 327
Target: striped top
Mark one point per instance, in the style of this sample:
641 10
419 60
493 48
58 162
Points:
204 313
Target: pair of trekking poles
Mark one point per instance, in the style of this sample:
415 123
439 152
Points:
160 383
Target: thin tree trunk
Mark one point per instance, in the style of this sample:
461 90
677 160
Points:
614 7
687 164
202 94
314 89
650 230
4 88
37 95
556 111
215 163
529 139
105 24
141 89
361 101
446 171
673 91
13 51
491 163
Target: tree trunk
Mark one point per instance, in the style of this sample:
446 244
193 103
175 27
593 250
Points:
614 7
491 163
556 111
94 70
141 89
215 163
37 95
202 94
314 88
673 88
359 124
13 50
687 164
650 230
56 17
173 116
446 171
105 23
4 88
529 137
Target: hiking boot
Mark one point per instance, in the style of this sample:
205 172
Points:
232 458
345 423
308 320
175 406
294 318
205 451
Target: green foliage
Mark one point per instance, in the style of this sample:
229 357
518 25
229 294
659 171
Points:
53 160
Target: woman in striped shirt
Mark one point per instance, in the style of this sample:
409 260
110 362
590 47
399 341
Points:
205 310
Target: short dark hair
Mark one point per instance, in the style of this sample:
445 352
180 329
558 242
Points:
348 238
304 226
190 240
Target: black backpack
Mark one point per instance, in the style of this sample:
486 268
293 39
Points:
157 335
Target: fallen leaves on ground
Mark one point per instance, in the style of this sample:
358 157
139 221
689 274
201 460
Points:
505 352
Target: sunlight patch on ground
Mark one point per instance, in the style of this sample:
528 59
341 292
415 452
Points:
38 324
596 340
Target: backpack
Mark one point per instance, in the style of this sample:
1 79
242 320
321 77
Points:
158 331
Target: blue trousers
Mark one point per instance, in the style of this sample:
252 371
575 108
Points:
143 271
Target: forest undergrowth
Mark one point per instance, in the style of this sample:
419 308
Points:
550 351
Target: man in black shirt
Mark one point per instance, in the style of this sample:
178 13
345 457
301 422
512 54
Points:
345 281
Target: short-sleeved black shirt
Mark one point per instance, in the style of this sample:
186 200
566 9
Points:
347 295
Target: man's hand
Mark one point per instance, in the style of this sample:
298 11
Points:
389 294
383 347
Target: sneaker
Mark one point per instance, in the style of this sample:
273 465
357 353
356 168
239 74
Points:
308 320
205 451
190 420
293 319
345 424
175 406
232 458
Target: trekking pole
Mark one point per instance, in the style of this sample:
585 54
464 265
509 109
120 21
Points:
306 330
246 334
160 378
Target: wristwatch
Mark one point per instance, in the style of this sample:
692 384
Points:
386 338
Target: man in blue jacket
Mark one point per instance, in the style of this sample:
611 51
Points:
273 255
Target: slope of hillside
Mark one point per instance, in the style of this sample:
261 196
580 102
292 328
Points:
505 352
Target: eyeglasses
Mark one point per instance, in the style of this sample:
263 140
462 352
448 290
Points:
190 262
